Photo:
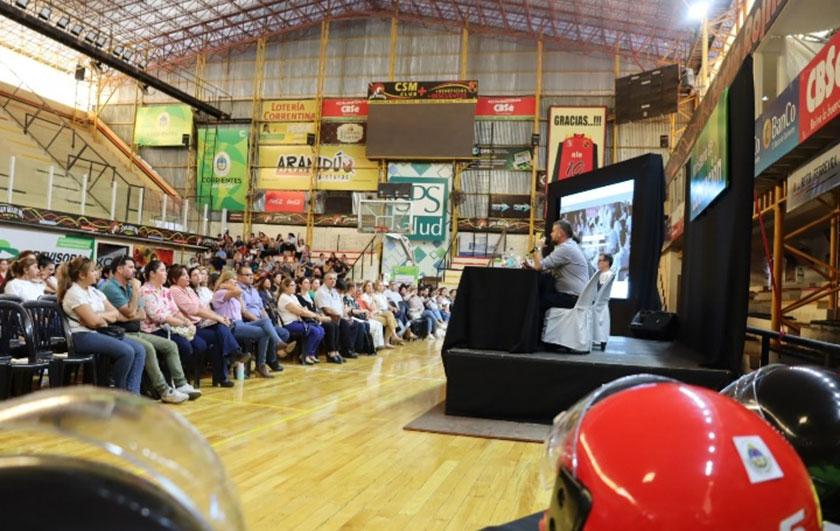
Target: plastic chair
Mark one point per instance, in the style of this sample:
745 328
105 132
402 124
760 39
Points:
52 333
571 328
8 297
16 324
601 315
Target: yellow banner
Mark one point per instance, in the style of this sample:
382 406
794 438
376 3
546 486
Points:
340 168
289 111
286 133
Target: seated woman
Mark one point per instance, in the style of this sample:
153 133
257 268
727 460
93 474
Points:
163 318
417 311
292 315
269 299
210 326
374 328
306 299
87 311
378 307
198 282
46 272
27 283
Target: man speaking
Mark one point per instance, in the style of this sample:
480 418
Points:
568 267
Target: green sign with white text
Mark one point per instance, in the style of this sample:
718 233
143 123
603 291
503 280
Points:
162 125
710 160
222 176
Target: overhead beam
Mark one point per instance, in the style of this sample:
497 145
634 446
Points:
104 56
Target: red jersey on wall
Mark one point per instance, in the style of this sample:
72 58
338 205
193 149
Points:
575 155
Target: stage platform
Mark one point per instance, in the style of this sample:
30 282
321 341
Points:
535 387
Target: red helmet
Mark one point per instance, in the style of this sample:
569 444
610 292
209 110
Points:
647 453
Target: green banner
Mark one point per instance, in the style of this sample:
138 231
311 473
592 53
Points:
162 125
429 206
222 176
501 158
710 160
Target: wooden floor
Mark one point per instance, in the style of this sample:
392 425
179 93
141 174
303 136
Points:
323 447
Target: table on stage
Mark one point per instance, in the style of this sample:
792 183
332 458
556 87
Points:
496 309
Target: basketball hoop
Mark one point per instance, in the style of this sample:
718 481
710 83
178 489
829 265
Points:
381 230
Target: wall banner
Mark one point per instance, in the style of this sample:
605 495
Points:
502 158
490 108
777 129
59 247
710 160
429 206
162 125
289 111
343 132
107 252
283 201
819 89
339 168
222 168
425 91
286 133
510 206
336 109
816 177
576 140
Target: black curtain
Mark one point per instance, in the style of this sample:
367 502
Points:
645 237
716 256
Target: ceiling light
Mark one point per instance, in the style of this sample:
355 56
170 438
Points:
22 3
118 50
76 29
698 10
100 42
90 36
45 13
63 22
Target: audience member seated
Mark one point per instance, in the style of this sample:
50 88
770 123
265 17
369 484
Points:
269 299
331 329
163 318
211 327
4 269
254 312
298 320
376 303
605 262
90 315
46 272
328 300
123 292
25 280
417 311
198 281
431 305
373 329
568 267
444 303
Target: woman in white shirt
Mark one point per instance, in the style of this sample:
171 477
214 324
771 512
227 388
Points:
377 303
292 315
27 283
46 272
198 281
88 310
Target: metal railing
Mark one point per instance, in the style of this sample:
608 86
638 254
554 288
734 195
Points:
367 253
811 349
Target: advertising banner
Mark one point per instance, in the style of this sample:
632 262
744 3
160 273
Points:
819 89
428 91
143 255
286 133
59 247
816 177
490 108
336 109
162 125
283 201
429 206
510 206
777 129
710 160
502 158
339 168
343 132
576 140
107 252
222 168
290 111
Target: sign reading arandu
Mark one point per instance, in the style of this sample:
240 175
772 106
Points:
339 168
223 168
710 160
429 206
816 177
162 125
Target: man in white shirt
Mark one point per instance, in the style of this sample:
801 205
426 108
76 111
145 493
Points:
328 301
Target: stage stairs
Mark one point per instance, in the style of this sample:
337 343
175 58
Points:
452 274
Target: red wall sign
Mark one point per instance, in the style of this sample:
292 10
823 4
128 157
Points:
501 108
819 89
280 201
342 108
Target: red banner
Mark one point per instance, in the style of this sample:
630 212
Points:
819 89
490 108
344 109
279 201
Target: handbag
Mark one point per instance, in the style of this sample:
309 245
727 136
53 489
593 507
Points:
116 332
186 332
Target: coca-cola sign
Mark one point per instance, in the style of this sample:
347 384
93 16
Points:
283 201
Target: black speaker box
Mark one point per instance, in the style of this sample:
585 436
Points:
662 326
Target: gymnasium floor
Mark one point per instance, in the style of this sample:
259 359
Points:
323 447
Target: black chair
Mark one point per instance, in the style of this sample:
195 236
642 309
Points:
48 298
52 334
13 298
16 325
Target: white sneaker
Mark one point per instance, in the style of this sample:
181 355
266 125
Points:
190 391
430 337
173 396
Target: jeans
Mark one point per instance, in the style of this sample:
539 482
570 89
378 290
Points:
437 315
312 333
430 319
243 331
160 347
348 332
275 334
128 356
221 344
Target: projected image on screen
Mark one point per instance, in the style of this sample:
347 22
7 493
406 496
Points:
602 219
